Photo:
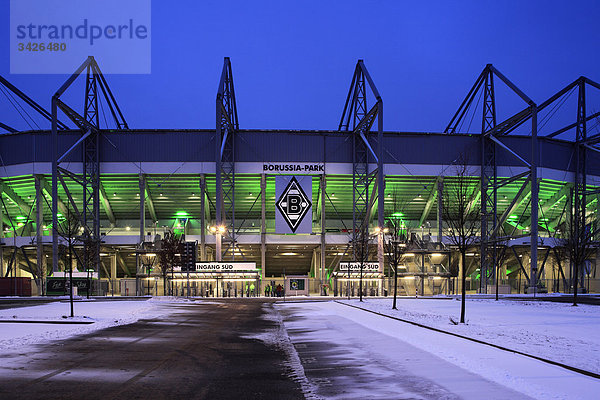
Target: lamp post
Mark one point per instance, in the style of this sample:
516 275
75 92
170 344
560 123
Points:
380 232
218 231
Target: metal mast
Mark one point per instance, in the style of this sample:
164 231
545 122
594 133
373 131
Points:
226 131
491 134
89 179
358 118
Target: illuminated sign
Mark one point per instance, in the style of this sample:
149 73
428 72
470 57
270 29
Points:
225 266
293 204
355 267
295 168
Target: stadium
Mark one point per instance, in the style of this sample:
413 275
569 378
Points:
317 212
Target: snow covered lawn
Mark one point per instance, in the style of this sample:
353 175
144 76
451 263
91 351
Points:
104 314
556 331
348 353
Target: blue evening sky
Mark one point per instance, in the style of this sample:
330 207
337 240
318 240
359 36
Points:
293 60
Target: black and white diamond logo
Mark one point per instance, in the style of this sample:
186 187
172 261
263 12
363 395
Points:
293 204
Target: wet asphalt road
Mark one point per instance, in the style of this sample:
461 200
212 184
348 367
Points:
201 351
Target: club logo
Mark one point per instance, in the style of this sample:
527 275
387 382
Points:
293 204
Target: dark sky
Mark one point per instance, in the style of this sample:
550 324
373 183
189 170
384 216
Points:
293 60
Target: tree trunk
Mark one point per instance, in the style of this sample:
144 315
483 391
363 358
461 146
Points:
360 285
463 279
71 276
395 286
576 283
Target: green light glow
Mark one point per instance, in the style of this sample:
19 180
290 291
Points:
398 214
515 224
182 214
513 217
21 218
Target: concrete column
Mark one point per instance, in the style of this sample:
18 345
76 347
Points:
597 227
113 272
1 219
218 241
380 172
202 217
322 276
1 237
440 205
39 225
534 204
597 215
313 264
54 184
142 208
113 266
263 225
380 256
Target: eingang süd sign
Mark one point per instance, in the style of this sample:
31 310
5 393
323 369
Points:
293 204
355 267
225 266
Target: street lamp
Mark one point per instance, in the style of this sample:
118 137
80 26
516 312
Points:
218 231
381 232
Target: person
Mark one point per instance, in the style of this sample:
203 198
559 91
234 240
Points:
279 290
267 290
252 290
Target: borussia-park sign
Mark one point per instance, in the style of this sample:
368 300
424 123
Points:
355 267
225 266
295 168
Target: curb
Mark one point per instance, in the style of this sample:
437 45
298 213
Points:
33 321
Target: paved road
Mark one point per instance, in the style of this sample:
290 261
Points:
213 350
201 351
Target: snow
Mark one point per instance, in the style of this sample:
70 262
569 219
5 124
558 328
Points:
103 314
556 331
378 354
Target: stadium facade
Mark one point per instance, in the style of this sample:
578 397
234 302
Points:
291 207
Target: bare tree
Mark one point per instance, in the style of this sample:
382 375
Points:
502 256
461 216
578 242
395 247
361 253
169 255
396 233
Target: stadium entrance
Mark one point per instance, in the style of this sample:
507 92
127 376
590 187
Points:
217 279
346 280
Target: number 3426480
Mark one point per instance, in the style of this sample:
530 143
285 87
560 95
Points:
33 46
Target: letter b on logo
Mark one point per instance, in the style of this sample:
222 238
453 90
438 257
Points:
294 202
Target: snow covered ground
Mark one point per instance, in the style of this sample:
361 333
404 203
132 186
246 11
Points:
353 354
556 331
104 314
